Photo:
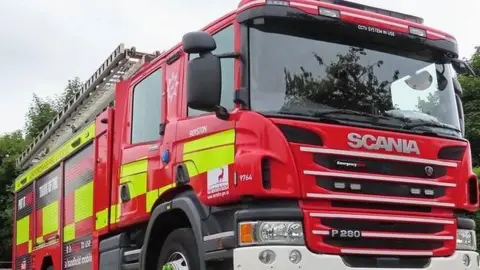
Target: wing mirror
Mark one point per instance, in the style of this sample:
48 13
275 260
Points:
204 76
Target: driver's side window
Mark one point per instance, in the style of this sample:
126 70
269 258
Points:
225 44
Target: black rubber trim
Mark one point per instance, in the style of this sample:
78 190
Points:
465 223
131 266
114 242
135 257
219 255
293 13
186 204
216 244
269 214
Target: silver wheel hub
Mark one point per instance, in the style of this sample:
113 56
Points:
176 261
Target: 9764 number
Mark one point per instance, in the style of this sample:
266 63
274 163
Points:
348 234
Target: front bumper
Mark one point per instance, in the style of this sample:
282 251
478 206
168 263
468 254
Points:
246 258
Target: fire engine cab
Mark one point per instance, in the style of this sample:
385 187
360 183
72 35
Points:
285 135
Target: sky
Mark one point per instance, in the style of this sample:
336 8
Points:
44 43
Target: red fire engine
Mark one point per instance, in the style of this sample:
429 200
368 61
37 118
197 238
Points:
285 135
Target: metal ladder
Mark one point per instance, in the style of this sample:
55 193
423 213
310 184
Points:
96 95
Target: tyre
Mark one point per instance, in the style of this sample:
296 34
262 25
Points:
179 251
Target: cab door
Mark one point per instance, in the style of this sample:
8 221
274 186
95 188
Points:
204 143
142 140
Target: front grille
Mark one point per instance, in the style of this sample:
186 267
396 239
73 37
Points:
382 262
377 166
384 198
373 243
355 186
381 226
395 235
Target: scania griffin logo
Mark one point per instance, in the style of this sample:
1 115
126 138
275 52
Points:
389 144
429 171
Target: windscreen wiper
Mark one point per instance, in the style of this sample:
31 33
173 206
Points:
302 114
429 124
348 112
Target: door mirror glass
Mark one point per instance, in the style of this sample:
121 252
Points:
204 83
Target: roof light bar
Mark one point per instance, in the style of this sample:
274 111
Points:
327 12
418 32
278 3
390 13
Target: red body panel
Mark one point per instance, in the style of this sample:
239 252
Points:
295 168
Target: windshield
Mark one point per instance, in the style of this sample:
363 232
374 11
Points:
302 69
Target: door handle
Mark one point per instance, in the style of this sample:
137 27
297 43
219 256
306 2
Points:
124 193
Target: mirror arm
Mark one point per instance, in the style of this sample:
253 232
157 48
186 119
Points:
229 55
462 67
221 113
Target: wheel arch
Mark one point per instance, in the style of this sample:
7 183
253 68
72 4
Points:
171 211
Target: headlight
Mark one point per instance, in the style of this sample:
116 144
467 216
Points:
270 232
466 240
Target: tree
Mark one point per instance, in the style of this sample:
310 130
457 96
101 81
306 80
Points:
356 86
471 103
43 110
40 113
73 86
11 145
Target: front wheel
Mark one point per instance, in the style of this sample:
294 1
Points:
179 251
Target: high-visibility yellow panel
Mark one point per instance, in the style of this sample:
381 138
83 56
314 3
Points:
23 230
191 168
134 167
217 139
210 159
69 232
81 139
84 202
115 212
50 218
152 196
137 184
40 240
101 220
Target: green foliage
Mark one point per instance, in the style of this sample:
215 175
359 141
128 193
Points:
73 86
43 110
11 145
471 103
40 113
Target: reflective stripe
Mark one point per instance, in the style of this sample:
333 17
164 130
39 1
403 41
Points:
54 158
209 152
83 207
115 212
153 195
137 184
39 240
50 216
209 159
134 174
69 232
23 230
214 140
101 220
134 167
